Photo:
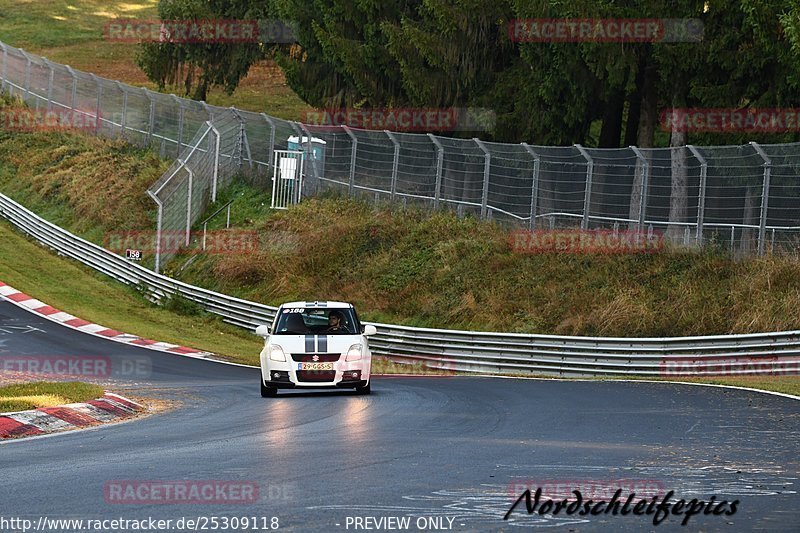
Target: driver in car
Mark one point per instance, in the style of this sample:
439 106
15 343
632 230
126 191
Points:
336 323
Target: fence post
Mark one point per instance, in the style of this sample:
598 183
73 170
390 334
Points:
439 168
244 143
208 110
351 188
271 123
99 104
311 159
298 190
215 177
395 163
74 94
4 73
274 179
701 201
179 140
762 226
151 123
50 85
27 75
587 196
643 189
534 184
158 230
124 120
487 163
189 202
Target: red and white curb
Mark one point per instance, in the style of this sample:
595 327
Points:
32 304
109 408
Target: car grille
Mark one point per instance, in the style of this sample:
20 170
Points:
320 357
315 376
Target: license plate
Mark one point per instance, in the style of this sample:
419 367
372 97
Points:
314 366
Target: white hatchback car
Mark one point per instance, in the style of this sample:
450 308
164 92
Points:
315 345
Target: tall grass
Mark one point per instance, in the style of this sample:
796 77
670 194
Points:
408 266
88 184
435 269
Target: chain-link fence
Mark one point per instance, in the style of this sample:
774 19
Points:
744 198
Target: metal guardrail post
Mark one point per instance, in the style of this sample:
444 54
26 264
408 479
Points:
587 195
437 193
271 148
395 163
487 164
351 186
762 225
645 164
534 185
701 201
160 218
215 177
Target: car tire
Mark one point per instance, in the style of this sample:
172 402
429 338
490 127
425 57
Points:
268 392
363 390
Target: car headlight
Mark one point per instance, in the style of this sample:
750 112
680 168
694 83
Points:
354 353
276 353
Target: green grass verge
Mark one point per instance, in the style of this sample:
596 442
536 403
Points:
24 396
784 384
77 290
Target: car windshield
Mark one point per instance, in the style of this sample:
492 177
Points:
316 321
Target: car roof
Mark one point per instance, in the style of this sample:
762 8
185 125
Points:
319 303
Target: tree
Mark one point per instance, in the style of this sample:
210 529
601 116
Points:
341 59
200 66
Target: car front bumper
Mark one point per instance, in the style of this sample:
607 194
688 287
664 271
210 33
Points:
287 375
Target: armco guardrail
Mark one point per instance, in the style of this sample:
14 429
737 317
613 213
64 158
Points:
505 353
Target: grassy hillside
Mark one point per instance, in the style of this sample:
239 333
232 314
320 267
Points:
71 32
411 267
87 184
408 266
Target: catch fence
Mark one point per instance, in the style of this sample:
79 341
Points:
743 197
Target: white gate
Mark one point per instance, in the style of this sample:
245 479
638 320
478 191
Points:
287 178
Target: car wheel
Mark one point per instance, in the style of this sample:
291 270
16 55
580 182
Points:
268 392
363 390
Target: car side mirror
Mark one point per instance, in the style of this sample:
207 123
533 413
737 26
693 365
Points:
369 329
262 331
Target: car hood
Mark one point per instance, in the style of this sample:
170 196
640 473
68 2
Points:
315 343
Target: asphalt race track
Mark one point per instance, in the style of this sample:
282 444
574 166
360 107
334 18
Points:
447 447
